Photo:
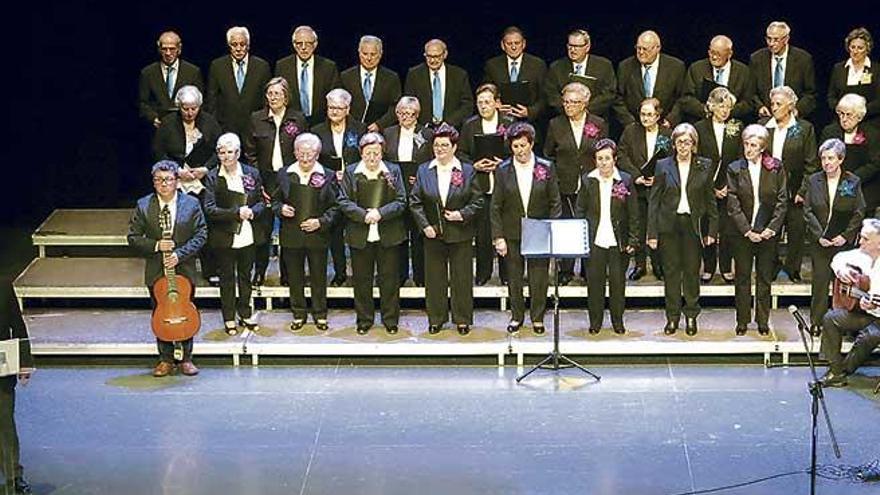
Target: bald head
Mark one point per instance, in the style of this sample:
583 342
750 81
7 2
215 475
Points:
647 47
720 50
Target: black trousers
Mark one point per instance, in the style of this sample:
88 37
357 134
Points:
762 255
450 268
720 254
374 258
295 259
681 250
822 275
795 228
840 322
566 266
412 249
262 251
337 249
166 349
9 448
485 250
539 280
234 267
606 265
643 251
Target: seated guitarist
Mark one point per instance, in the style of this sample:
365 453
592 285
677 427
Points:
864 321
190 234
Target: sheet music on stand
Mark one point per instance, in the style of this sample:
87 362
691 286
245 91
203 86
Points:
557 238
9 357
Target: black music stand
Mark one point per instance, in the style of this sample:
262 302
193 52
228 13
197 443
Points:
538 242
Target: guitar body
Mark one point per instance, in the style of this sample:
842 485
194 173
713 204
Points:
175 317
847 296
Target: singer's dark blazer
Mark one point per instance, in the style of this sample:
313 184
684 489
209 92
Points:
837 87
847 199
799 156
740 83
259 144
233 109
572 160
169 143
351 152
731 147
861 159
422 150
624 211
153 99
189 236
471 127
632 151
532 69
326 78
425 204
392 230
603 89
386 93
666 193
507 209
292 236
458 101
221 206
800 75
668 88
740 200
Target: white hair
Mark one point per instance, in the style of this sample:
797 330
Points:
229 140
188 95
238 30
339 95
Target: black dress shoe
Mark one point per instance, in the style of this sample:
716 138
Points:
635 273
671 327
816 330
22 487
363 329
728 278
594 330
690 326
832 379
391 329
321 324
338 281
565 279
794 276
763 330
538 328
741 329
481 281
619 329
513 326
296 325
464 329
258 280
433 329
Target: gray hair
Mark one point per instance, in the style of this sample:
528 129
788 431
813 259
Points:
238 30
339 95
408 102
368 39
787 93
308 140
579 88
229 140
371 138
300 29
779 25
872 224
188 95
685 129
853 102
835 145
436 41
756 131
719 96
174 35
166 166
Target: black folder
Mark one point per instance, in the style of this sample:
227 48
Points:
488 146
762 219
837 224
588 81
516 93
649 167
370 193
720 175
305 202
409 170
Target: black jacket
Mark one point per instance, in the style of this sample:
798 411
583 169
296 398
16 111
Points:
624 209
326 208
392 230
221 206
507 209
772 190
848 198
427 208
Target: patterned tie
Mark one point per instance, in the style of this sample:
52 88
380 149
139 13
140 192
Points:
578 69
647 83
305 101
719 73
779 73
437 98
170 80
368 86
239 75
514 71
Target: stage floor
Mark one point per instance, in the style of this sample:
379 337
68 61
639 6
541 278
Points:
642 430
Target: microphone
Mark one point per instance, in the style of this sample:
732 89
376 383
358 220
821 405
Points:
797 316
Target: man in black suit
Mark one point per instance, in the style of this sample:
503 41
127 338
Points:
719 69
517 66
160 80
12 327
374 88
310 76
781 64
443 90
190 235
649 73
595 71
236 83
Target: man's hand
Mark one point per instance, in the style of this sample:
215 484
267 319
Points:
429 232
374 127
708 240
453 216
754 236
629 250
171 260
519 111
186 175
798 199
199 172
157 122
767 234
165 245
866 304
501 246
763 112
645 181
310 225
838 241
288 211
339 174
372 216
721 193
825 242
848 276
245 213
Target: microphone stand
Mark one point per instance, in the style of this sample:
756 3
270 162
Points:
818 397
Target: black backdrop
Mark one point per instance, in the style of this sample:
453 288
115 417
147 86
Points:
77 141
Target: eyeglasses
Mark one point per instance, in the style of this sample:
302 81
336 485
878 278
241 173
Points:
434 57
164 180
406 114
684 141
303 43
573 102
572 45
337 108
847 115
775 39
641 49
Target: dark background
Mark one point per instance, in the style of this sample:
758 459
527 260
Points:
77 140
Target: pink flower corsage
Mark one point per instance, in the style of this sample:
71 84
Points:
859 138
317 180
770 163
248 182
541 173
619 190
591 130
500 130
457 178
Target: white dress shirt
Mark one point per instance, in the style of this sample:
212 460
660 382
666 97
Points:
405 144
832 191
651 141
444 176
853 76
755 176
653 69
277 160
719 128
684 206
577 129
305 176
780 133
725 74
245 236
524 177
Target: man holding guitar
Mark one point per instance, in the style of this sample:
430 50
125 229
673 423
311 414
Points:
167 256
858 272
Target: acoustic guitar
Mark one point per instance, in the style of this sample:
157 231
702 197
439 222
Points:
175 317
847 296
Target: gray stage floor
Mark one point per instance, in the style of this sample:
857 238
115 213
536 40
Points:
369 430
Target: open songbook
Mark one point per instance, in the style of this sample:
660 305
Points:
568 238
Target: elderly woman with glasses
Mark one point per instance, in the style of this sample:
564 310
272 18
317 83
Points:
862 145
374 201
